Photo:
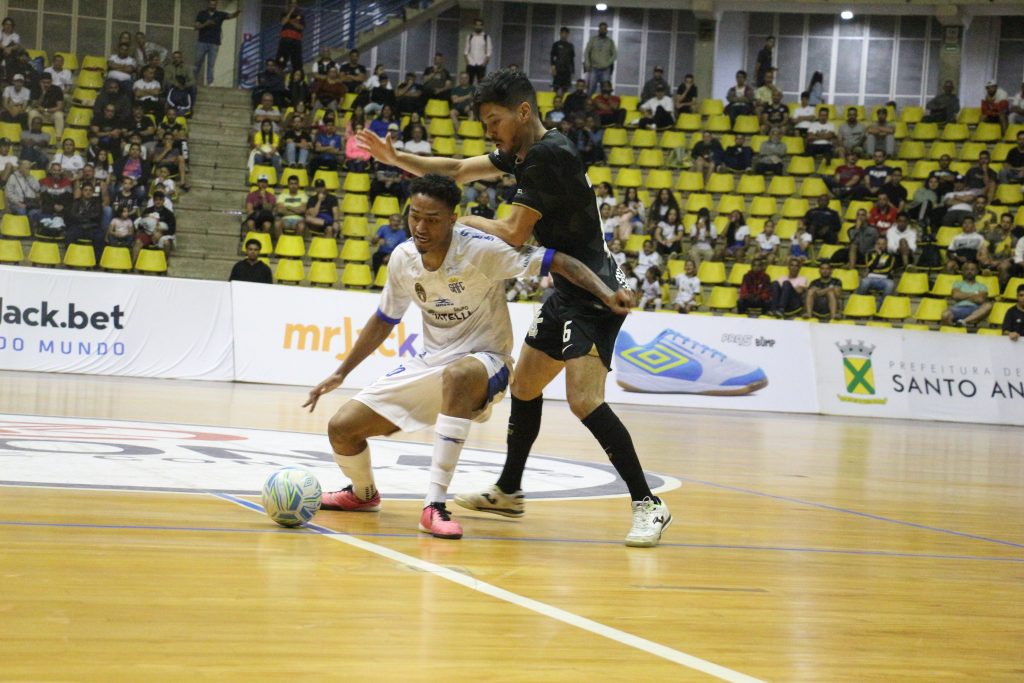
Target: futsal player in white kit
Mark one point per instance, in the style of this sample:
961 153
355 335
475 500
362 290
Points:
456 275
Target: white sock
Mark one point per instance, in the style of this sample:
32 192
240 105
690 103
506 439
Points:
357 468
449 435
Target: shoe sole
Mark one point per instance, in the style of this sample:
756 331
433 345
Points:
504 512
338 508
451 537
650 544
695 388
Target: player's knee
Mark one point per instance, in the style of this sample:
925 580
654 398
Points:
340 431
582 404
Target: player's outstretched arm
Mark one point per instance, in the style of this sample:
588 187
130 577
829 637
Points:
514 229
575 272
370 337
461 170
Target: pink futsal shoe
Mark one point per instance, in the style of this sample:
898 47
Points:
437 521
346 500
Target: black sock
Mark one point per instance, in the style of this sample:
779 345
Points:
523 427
614 438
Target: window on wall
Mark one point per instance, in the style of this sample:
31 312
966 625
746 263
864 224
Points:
1010 62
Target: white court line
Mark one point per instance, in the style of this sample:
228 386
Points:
657 649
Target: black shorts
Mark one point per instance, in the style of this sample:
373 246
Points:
567 328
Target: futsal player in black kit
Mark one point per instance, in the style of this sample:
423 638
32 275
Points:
554 203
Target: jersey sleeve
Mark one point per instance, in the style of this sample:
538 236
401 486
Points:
499 261
502 162
394 300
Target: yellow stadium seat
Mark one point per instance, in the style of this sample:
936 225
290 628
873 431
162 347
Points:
710 107
1008 194
436 109
381 278
794 145
650 158
151 261
737 272
1001 150
748 125
751 185
969 151
385 205
323 249
987 132
925 131
913 284
794 207
628 177
1010 292
615 137
895 308
671 139
643 137
84 96
323 273
11 131
268 171
658 179
629 102
11 251
96 62
688 122
999 309
763 206
718 123
943 285
444 147
37 173
470 129
969 116
348 100
911 114
992 282
729 203
776 271
355 250
503 211
800 166
80 256
266 245
545 99
70 60
79 117
939 149
719 183
473 147
911 150
878 323
786 229
989 331
300 173
356 275
859 306
441 126
599 174
722 298
1011 132
922 169
813 187
711 272
355 182
330 178
15 226
289 271
690 181
634 244
782 186
916 326
90 79
358 204
355 227
290 246
848 276
853 207
620 156
944 235
952 330
697 201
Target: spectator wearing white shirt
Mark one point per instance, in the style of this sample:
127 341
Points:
9 40
648 258
768 242
148 91
658 110
121 66
619 256
71 162
8 161
650 289
805 114
15 102
477 52
901 239
1016 110
62 77
418 144
703 233
687 288
821 136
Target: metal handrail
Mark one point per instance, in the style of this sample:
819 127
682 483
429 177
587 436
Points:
332 23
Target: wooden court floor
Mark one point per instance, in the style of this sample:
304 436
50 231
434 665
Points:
803 549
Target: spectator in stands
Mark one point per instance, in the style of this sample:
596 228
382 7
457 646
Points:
707 154
764 61
60 76
775 114
378 95
145 48
121 67
121 230
788 291
958 203
1015 110
478 52
71 162
648 258
740 98
668 234
15 102
883 214
133 165
383 121
462 100
109 128
685 100
815 89
945 175
863 237
49 105
168 154
970 299
265 146
180 99
804 115
388 236
208 25
34 145
251 268
663 202
764 93
735 239
21 192
823 222
703 237
290 209
576 102
631 199
591 142
771 156
1000 240
801 243
322 211
289 44
878 273
126 195
657 110
657 78
9 162
894 190
901 241
148 91
738 157
876 177
984 218
259 207
482 206
1013 321
352 73
143 125
10 41
555 115
297 143
767 242
608 106
944 107
615 249
111 94
755 288
881 134
330 91
924 202
418 143
599 58
650 290
157 226
437 81
981 177
852 134
967 247
995 105
688 288
563 62
603 193
609 221
849 180
84 216
323 63
55 198
1013 167
821 136
298 87
822 295
409 95
177 68
357 159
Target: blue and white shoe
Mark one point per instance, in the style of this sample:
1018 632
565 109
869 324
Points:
675 364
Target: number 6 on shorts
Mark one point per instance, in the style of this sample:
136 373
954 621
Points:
566 332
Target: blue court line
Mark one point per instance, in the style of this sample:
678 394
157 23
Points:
857 513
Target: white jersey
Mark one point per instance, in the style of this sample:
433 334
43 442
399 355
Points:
462 302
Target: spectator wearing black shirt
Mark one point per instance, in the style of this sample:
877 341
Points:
686 96
707 154
84 218
483 206
289 45
738 157
981 177
49 106
576 102
1013 322
208 24
322 211
251 268
894 190
945 175
822 295
563 62
353 74
409 95
823 222
764 61
437 82
1013 168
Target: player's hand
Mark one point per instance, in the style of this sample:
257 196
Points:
620 302
382 150
327 386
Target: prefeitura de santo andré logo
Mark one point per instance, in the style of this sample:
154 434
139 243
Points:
858 376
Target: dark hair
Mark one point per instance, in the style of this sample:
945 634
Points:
741 71
158 195
805 93
437 187
506 88
256 242
1020 290
564 28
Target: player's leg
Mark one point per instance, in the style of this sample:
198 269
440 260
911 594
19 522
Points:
348 430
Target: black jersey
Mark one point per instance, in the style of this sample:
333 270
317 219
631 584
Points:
553 182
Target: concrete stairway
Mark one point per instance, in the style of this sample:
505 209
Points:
209 216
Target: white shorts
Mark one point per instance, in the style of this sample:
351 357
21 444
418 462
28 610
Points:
410 395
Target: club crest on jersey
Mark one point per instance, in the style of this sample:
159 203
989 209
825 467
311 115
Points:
421 293
456 286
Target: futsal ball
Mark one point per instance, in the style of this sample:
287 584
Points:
291 496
